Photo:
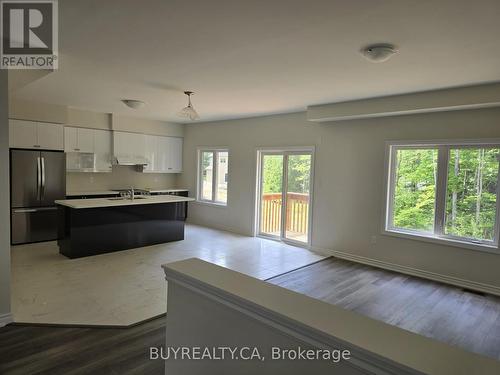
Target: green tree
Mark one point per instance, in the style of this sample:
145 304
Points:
471 191
299 167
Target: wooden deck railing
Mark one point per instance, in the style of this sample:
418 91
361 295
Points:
296 213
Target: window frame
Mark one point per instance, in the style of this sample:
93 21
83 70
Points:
215 173
438 234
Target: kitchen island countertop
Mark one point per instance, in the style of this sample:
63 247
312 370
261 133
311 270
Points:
113 202
114 192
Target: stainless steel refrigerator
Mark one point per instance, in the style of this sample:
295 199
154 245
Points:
37 179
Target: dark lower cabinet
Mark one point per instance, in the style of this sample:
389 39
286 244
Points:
181 193
92 231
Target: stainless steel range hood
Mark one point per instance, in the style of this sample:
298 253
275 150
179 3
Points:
130 160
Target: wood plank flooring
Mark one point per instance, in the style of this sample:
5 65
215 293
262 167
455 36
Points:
435 310
461 318
26 350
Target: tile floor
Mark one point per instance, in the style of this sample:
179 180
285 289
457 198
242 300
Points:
126 287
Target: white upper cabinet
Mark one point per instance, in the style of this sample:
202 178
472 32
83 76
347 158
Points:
151 153
22 134
83 140
103 150
37 135
164 154
50 136
70 139
175 164
78 139
159 154
129 148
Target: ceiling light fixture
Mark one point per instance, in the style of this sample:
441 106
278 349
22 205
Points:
189 111
134 104
378 53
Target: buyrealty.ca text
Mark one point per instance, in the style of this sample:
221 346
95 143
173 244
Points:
246 353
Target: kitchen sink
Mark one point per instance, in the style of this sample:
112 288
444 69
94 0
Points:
125 198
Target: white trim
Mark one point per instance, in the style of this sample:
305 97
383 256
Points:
445 142
437 235
462 107
441 240
204 202
215 158
286 148
217 226
6 319
285 241
446 279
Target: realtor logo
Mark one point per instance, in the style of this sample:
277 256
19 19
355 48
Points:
29 34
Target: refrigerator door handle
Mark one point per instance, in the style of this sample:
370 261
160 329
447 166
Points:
43 178
23 210
38 178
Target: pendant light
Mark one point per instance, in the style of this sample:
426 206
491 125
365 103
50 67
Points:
189 111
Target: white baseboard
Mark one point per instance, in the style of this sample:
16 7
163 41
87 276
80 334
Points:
5 319
452 280
217 226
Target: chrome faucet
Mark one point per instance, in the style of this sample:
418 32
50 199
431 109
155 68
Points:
131 193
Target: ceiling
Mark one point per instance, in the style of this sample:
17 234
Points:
257 57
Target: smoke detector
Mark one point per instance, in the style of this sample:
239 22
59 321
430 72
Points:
379 52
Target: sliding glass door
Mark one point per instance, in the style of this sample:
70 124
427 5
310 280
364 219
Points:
271 194
284 206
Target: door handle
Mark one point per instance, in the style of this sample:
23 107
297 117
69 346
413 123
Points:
23 210
43 178
38 179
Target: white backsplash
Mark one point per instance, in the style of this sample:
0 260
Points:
121 177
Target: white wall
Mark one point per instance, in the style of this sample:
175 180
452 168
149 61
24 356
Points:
4 204
136 125
122 177
88 119
35 111
348 184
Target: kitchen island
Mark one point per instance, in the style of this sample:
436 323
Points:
96 226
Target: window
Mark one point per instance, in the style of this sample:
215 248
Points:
444 191
213 175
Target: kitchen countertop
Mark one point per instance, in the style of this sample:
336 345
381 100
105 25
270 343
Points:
165 190
96 192
114 192
109 202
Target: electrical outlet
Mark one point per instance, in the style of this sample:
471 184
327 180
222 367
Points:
91 179
373 240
